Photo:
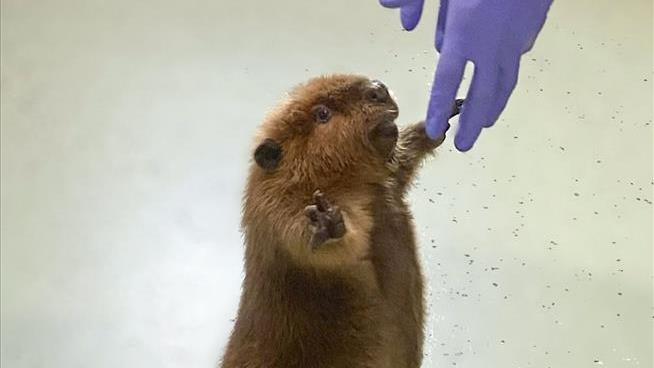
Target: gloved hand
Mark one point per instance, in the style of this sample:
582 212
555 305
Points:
493 34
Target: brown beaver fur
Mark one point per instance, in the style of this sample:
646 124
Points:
332 277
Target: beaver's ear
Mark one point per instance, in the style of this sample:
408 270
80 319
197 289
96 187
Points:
268 155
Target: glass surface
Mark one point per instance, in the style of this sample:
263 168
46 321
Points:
127 127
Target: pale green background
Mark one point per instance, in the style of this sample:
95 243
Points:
126 131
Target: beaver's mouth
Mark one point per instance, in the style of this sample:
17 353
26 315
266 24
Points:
385 133
386 128
386 124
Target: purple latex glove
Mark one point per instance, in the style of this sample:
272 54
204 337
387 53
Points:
493 34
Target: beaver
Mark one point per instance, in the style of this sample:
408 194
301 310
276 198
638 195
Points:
332 278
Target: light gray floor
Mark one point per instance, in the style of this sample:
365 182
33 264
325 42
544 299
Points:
127 128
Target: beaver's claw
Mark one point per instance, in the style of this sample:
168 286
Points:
325 220
457 107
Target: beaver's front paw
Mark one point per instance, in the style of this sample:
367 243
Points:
415 136
326 220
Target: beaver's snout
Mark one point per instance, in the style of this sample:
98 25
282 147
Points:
379 98
384 133
377 92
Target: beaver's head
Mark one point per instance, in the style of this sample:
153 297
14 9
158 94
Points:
339 127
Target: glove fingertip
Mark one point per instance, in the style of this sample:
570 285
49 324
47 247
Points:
409 26
409 22
463 145
467 134
435 128
466 138
410 15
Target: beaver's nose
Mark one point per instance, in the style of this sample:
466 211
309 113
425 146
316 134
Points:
377 92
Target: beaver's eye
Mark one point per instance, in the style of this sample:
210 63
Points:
323 114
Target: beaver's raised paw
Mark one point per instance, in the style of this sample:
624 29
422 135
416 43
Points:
325 219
